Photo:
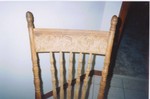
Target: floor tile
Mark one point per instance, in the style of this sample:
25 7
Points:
90 92
92 79
96 90
115 93
96 79
134 94
120 83
116 82
140 85
50 98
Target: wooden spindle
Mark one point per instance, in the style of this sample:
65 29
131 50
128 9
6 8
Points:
61 77
76 95
86 77
70 75
53 75
37 83
107 58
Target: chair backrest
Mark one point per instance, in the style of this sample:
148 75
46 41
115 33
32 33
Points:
72 41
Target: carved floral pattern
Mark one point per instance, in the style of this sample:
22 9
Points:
71 42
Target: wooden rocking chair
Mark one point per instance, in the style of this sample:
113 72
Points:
73 41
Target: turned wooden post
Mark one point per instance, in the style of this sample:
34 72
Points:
61 76
70 69
107 58
84 89
76 95
53 75
37 85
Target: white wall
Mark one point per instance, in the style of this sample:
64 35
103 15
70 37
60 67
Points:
16 80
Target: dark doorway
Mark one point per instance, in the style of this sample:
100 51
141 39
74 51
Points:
133 53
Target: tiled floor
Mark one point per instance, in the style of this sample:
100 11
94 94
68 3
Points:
123 87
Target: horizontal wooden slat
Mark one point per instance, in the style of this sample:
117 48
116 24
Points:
70 40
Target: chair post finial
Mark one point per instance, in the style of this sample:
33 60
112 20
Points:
114 21
30 19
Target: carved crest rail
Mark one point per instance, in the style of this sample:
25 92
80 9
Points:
70 40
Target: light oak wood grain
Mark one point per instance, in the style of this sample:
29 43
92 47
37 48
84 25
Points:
84 89
37 83
68 40
70 70
61 76
78 76
53 75
107 57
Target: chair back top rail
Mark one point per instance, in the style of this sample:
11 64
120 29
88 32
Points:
69 40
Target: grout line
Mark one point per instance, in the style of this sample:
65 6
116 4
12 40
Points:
129 77
93 85
93 92
123 89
